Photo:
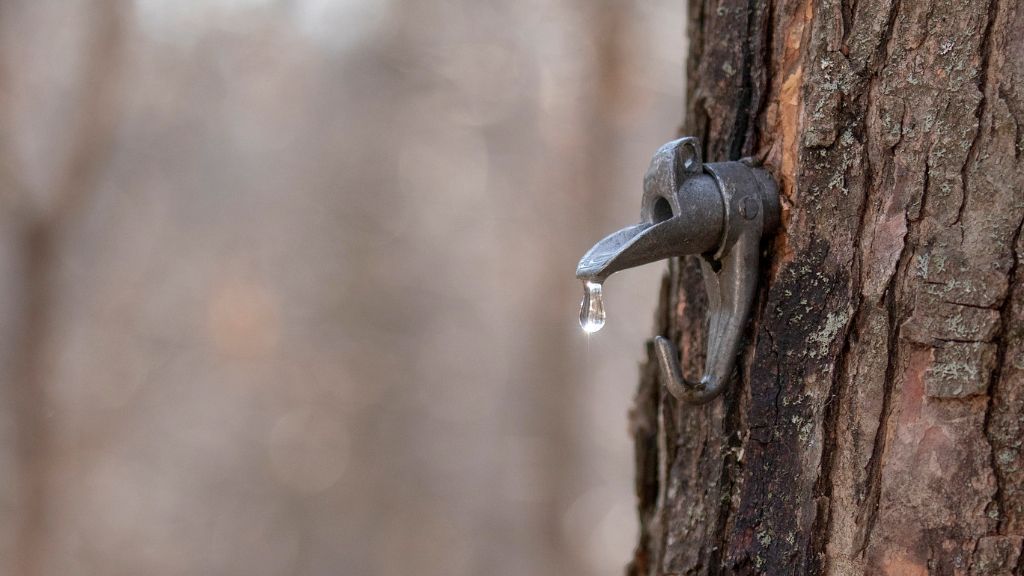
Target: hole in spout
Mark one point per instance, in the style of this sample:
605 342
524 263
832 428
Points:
662 210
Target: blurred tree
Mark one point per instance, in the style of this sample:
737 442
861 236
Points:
43 214
875 424
280 283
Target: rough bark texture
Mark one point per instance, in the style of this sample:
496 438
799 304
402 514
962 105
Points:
876 424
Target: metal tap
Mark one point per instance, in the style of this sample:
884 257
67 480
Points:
719 211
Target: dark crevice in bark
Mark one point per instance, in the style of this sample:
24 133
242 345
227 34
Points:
696 121
926 181
1005 319
778 377
727 482
667 458
873 490
761 30
993 384
982 108
854 115
895 321
956 340
817 559
847 10
969 305
1016 113
868 515
738 139
882 54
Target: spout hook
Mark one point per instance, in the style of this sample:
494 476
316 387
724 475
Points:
750 202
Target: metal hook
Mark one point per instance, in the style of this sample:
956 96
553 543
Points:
718 210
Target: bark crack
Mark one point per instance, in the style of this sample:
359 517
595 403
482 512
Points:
1015 115
982 108
873 471
823 485
738 138
874 467
993 385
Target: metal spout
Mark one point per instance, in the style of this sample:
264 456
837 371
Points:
645 243
682 213
719 211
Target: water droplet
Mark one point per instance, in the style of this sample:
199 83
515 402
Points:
592 308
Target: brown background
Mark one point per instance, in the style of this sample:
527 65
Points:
286 286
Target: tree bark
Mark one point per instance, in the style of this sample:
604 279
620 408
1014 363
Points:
874 426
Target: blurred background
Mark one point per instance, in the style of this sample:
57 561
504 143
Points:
286 286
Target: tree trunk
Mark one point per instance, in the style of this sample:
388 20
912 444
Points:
874 426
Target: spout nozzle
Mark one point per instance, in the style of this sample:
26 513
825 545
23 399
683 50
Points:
608 256
645 243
